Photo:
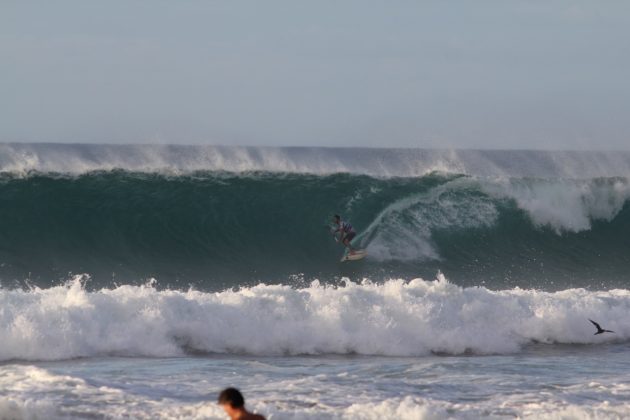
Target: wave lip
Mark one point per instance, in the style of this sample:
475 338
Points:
396 318
22 158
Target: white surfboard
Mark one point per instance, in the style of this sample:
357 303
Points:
357 255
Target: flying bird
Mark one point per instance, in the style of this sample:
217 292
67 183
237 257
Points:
600 330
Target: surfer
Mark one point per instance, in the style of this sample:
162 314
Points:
233 403
346 231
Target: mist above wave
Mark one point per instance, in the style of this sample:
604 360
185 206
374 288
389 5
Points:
82 158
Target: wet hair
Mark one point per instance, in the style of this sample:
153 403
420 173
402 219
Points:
337 217
233 397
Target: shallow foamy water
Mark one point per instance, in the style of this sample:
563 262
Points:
543 381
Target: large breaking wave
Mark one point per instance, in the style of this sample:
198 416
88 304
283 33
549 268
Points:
214 230
238 239
214 217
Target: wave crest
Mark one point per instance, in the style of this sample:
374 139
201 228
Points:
81 158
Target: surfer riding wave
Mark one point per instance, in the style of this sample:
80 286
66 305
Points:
346 231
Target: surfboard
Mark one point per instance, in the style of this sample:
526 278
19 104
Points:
358 255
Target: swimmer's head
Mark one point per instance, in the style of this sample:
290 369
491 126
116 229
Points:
233 403
231 400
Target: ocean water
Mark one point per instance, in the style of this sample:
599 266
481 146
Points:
138 281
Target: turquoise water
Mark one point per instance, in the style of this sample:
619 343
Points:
215 230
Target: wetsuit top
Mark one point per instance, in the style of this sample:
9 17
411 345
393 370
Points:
346 227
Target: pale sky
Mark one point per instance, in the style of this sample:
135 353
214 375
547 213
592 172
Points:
462 74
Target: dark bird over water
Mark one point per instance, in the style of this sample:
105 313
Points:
600 330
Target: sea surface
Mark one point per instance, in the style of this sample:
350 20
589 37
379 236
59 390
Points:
137 281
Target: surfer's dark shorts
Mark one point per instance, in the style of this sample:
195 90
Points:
350 236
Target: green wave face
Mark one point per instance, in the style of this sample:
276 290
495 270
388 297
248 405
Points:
214 230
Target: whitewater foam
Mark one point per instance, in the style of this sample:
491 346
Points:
563 205
403 230
395 318
121 389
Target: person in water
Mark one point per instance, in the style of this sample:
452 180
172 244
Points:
346 231
233 403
